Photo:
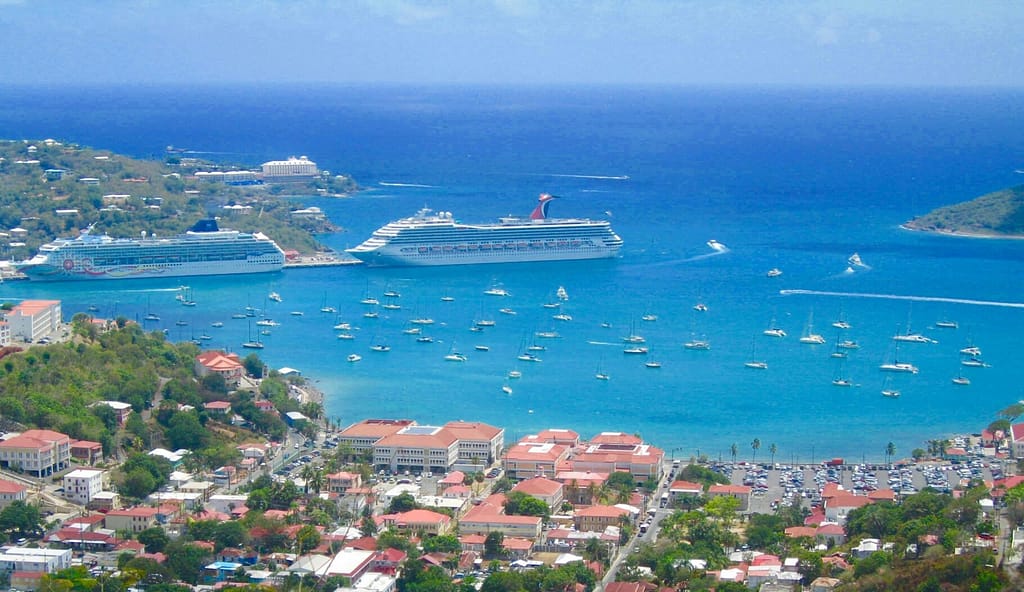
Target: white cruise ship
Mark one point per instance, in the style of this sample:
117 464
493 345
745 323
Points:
436 238
203 250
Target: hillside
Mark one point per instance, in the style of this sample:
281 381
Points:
53 189
998 214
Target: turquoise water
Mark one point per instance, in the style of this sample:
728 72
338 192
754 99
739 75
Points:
797 180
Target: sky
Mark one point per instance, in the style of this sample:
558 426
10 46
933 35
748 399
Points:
684 42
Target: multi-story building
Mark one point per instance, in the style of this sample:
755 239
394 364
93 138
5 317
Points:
32 320
342 481
133 520
640 460
82 485
34 560
529 458
479 444
39 452
360 437
418 449
598 518
546 490
216 362
11 492
293 169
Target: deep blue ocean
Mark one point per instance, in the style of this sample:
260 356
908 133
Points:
798 179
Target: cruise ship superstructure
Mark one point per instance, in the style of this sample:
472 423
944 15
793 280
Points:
203 250
436 238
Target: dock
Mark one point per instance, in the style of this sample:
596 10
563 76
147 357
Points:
320 261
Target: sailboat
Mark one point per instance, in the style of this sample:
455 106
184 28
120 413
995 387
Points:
888 390
897 366
840 378
701 344
960 379
754 362
326 308
562 294
252 343
453 355
839 351
810 337
186 298
600 374
773 330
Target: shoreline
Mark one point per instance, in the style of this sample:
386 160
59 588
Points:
962 234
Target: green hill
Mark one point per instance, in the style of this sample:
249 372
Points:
53 189
1000 213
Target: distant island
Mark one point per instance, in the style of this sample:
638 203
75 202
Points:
50 188
999 215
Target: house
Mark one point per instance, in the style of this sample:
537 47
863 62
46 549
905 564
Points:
517 548
824 584
227 365
10 492
82 485
546 490
87 452
740 492
489 517
580 486
414 521
39 452
683 489
217 408
838 507
343 481
598 518
121 409
133 520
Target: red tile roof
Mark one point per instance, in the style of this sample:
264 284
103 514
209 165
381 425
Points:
10 487
538 486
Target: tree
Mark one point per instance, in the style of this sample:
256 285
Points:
253 365
446 543
230 533
154 538
734 451
307 539
402 502
185 561
138 484
21 518
493 544
723 507
890 451
772 449
185 431
503 581
520 504
755 445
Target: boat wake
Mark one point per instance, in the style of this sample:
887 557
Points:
600 343
903 297
388 184
602 177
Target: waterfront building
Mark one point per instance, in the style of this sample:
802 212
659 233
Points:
418 449
361 436
529 458
290 170
479 444
620 454
31 320
39 452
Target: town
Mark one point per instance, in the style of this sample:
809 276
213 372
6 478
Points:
297 500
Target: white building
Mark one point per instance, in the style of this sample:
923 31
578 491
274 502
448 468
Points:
32 320
293 168
34 560
10 492
41 452
82 485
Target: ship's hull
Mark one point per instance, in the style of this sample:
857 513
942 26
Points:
475 254
72 272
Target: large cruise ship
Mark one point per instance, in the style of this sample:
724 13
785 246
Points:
436 238
203 250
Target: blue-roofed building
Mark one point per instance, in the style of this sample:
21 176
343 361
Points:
220 571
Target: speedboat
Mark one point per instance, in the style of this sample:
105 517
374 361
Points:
354 357
506 389
528 357
635 350
774 272
380 348
515 374
700 307
447 299
274 296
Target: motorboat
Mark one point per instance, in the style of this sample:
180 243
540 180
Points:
774 272
528 357
274 296
425 339
562 317
354 357
649 318
652 364
455 357
697 344
506 389
635 350
422 321
346 336
515 374
757 365
700 307
482 348
601 376
412 331
496 292
380 347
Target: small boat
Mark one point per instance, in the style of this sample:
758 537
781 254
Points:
562 317
841 324
757 365
546 334
946 324
296 313
205 337
342 327
485 323
913 338
506 389
422 321
392 294
633 338
635 350
515 374
973 363
606 325
507 311
848 344
700 307
887 390
652 364
181 322
346 336
425 339
496 292
551 304
369 301
716 245
328 309
152 317
528 357
267 323
536 347
274 296
812 339
265 332
971 351
649 318
561 293
774 272
841 382
238 315
391 306
698 345
380 347
447 299
855 260
897 366
93 308
601 376
774 332
412 331
961 380
370 315
482 348
217 324
253 345
455 357
354 357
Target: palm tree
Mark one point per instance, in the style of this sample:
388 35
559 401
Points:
733 450
773 449
318 480
755 445
890 451
307 473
